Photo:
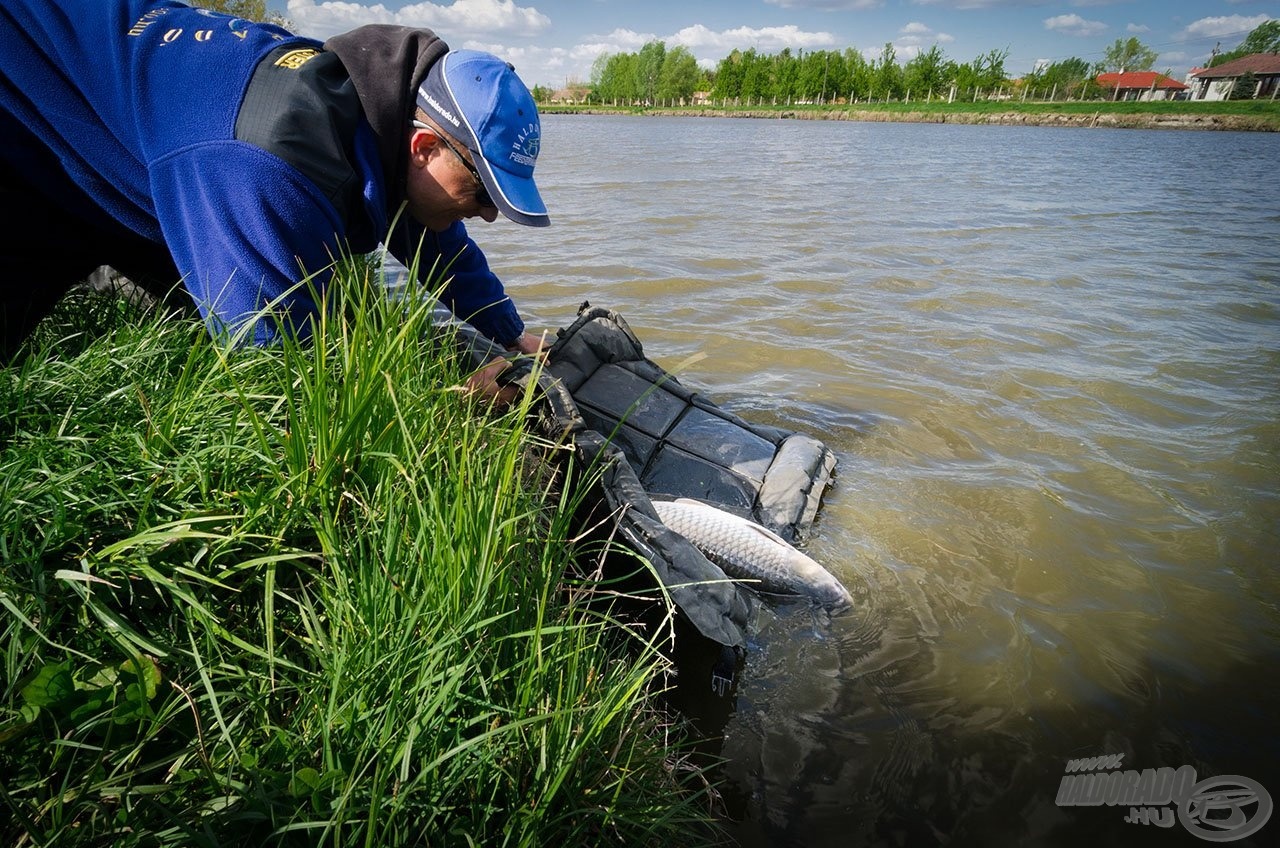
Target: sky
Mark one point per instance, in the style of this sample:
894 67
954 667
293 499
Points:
552 42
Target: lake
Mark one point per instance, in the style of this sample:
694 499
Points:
1049 363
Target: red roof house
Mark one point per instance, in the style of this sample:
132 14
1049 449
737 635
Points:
1142 85
1219 82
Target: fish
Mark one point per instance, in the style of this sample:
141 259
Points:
748 551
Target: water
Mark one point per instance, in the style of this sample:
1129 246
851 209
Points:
1048 361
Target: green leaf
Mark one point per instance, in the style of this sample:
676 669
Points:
95 701
305 781
51 685
141 678
141 672
104 678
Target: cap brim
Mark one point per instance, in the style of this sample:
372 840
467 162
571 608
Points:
516 197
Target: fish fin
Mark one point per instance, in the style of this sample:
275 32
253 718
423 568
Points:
769 534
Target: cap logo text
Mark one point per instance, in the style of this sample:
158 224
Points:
524 150
440 110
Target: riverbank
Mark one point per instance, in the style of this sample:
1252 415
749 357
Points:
1240 116
306 595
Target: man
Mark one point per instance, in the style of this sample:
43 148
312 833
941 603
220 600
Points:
177 143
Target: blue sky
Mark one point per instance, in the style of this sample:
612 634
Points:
551 41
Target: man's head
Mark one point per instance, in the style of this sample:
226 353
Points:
478 116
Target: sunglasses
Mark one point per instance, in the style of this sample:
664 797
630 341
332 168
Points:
482 193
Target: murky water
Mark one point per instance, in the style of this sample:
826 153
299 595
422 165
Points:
1049 361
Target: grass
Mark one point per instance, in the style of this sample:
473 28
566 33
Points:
1234 114
307 595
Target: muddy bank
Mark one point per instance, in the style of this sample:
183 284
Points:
1099 119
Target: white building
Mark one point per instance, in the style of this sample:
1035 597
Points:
1218 83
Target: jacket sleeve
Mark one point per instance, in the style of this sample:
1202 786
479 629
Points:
472 291
244 228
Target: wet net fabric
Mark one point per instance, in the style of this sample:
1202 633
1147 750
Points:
645 436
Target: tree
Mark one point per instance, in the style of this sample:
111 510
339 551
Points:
988 69
784 73
648 70
887 76
250 10
927 72
729 76
680 75
613 76
1062 79
1067 71
541 94
839 76
1246 87
757 76
859 75
815 76
1129 54
1265 38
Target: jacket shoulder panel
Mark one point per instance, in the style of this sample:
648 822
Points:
301 106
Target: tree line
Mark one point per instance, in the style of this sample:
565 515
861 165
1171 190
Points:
658 74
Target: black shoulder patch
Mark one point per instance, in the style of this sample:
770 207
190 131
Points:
302 106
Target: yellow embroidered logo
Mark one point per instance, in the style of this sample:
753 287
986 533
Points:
295 59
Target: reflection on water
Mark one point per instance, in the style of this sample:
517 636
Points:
1048 361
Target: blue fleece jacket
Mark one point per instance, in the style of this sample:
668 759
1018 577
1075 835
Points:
138 100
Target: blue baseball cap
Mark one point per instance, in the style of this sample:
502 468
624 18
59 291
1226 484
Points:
478 99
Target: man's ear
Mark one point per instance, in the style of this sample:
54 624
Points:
422 142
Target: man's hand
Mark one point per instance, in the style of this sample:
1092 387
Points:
484 383
528 343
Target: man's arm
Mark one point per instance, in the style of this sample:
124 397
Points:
473 293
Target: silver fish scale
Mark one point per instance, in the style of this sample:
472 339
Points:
734 546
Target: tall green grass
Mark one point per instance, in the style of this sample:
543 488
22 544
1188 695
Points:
1238 114
308 595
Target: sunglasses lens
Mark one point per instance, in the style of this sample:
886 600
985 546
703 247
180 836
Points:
482 193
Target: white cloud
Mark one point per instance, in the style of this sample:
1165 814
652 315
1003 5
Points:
765 39
977 4
1074 25
1224 25
454 21
828 5
548 62
1137 28
712 44
916 34
618 41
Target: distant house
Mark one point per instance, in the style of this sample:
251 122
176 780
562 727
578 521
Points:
1142 85
1218 83
571 93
